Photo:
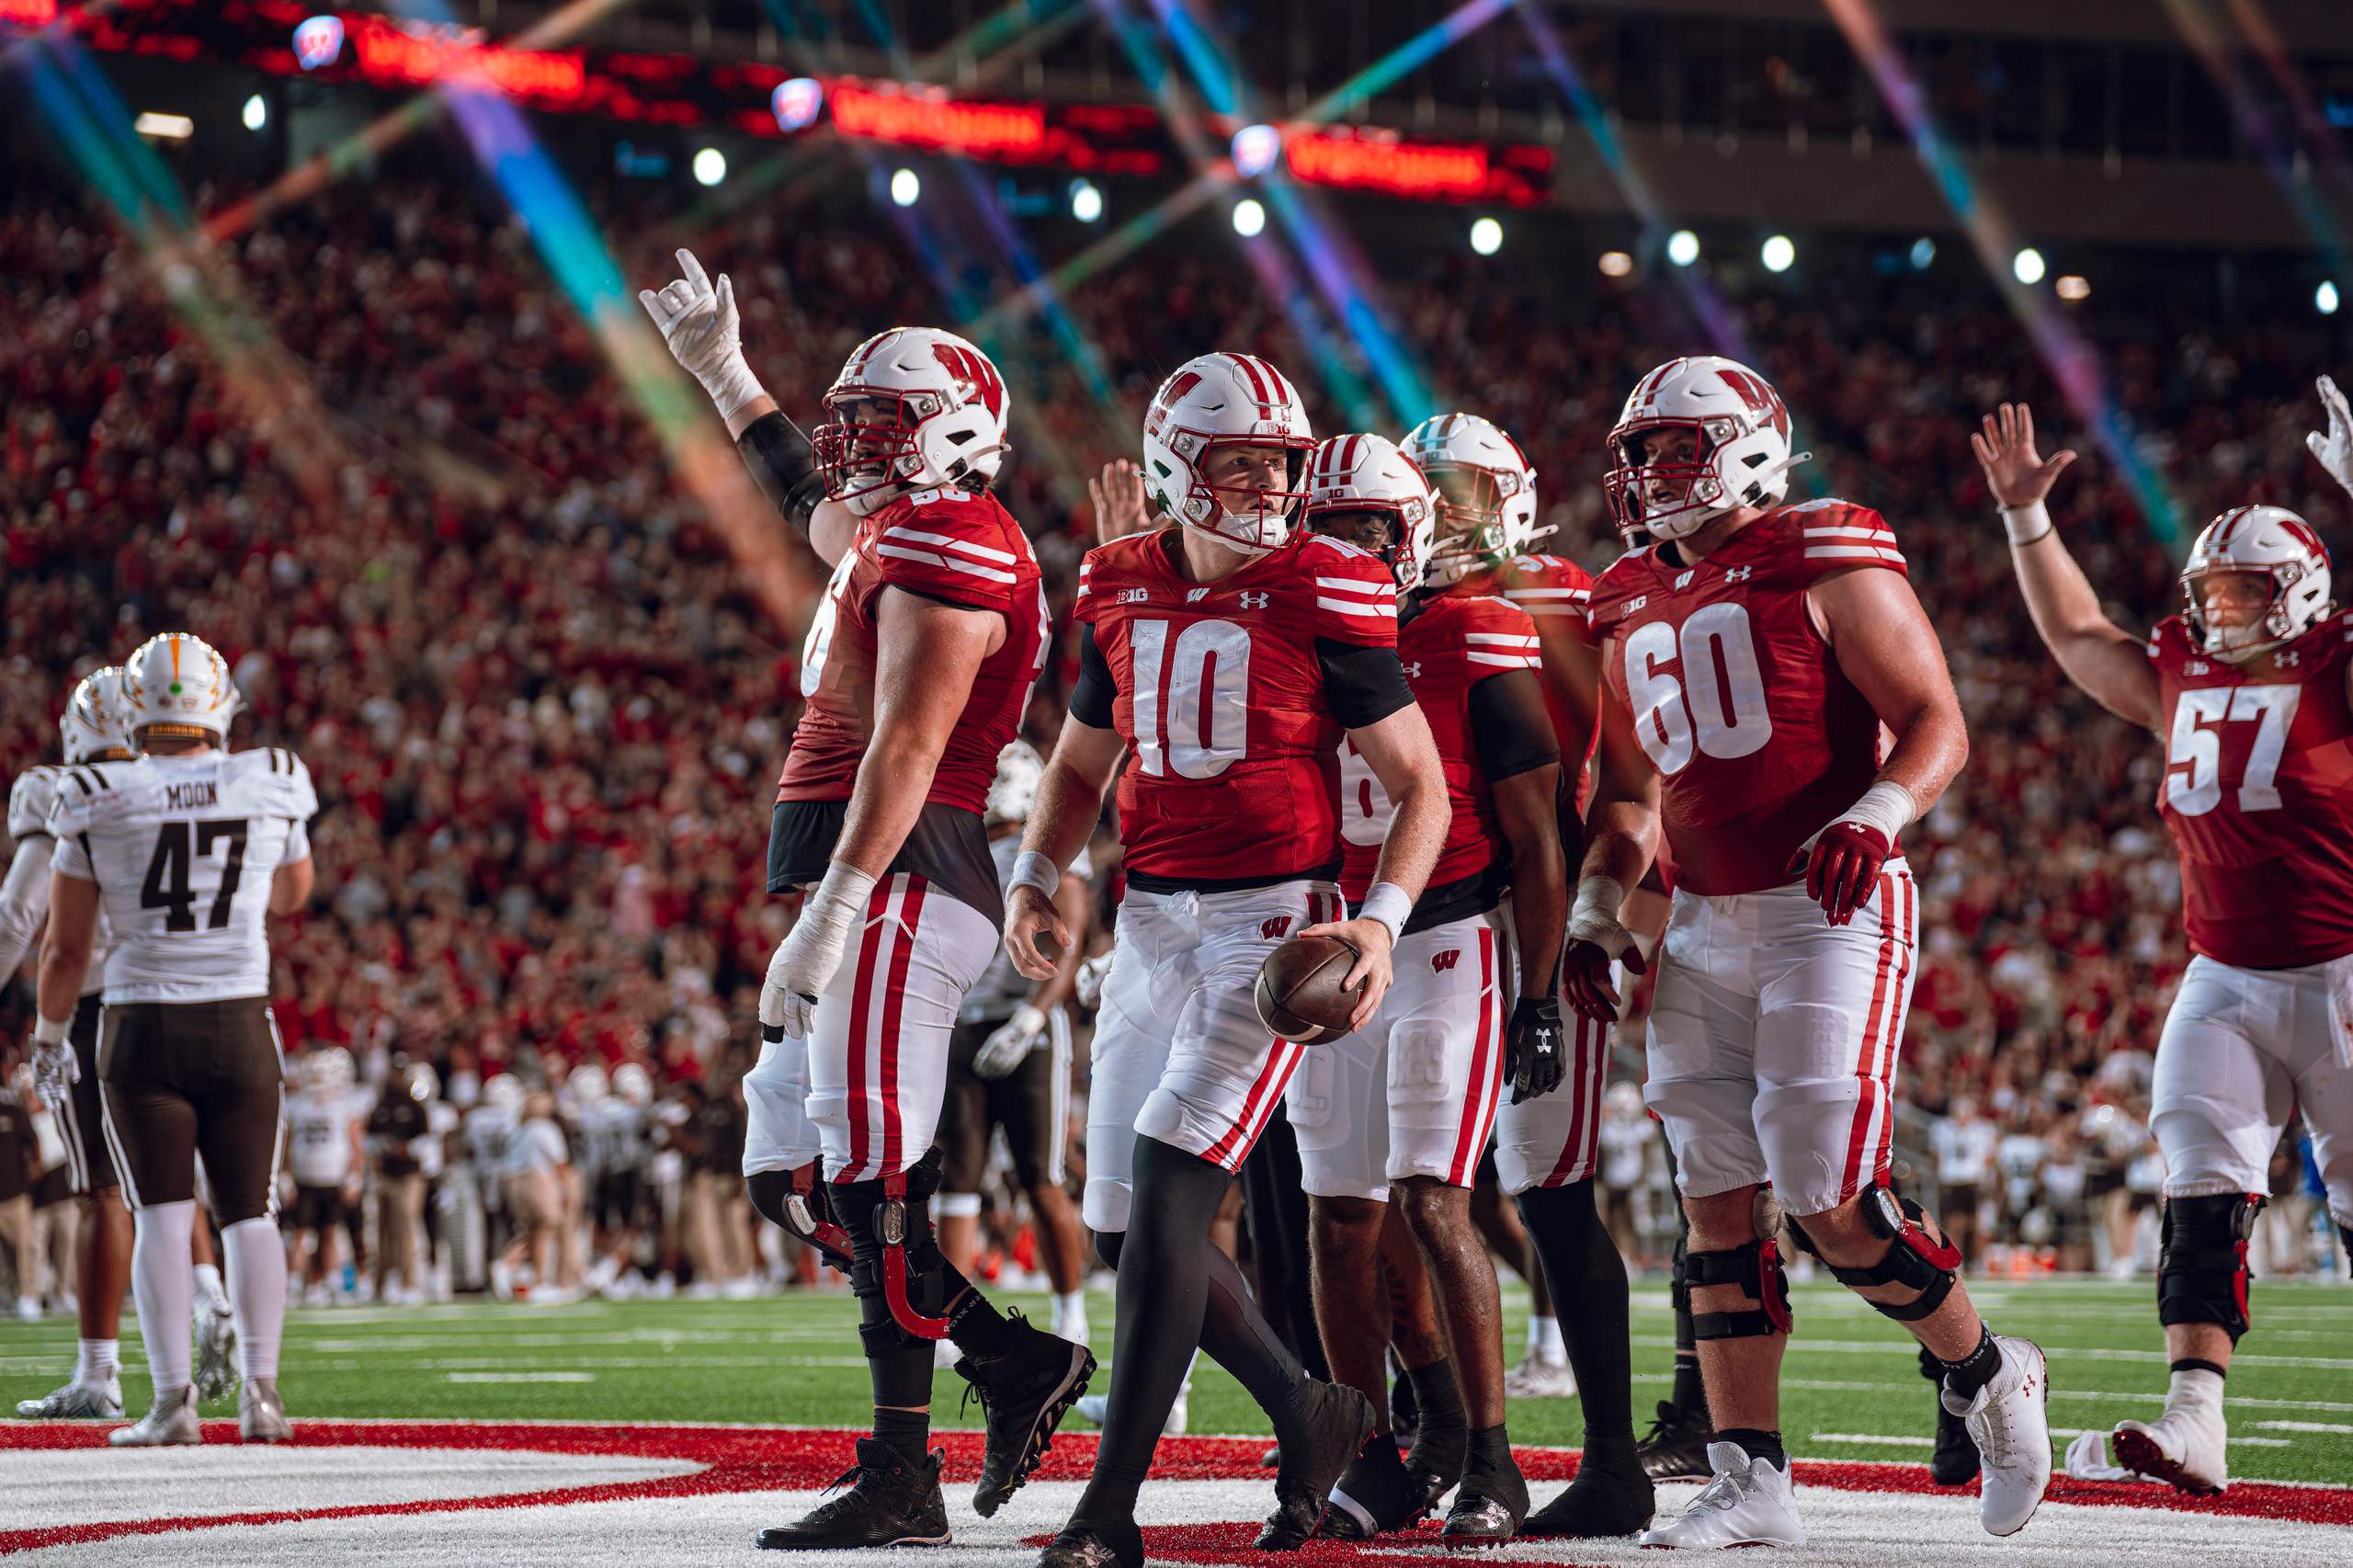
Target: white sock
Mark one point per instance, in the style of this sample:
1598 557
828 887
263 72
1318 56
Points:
1070 1315
1544 1339
256 1257
2195 1388
160 1284
98 1363
208 1287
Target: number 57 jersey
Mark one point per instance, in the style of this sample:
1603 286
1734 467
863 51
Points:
183 849
1760 738
2258 795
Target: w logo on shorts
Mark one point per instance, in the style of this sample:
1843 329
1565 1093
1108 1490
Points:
1441 963
1273 930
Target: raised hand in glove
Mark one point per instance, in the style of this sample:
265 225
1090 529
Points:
55 1072
2333 450
1010 1043
1535 1051
705 335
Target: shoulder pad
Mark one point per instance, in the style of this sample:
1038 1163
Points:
29 801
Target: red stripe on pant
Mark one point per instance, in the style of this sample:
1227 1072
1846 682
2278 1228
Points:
1867 1055
861 996
1895 1031
1282 1057
894 1004
1589 1068
1478 1101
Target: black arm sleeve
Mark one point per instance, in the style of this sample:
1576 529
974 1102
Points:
1365 684
784 467
1510 727
1091 699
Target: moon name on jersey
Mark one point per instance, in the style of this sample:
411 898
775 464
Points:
1720 676
184 849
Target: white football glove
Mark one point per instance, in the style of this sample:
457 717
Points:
55 1072
2333 450
704 333
804 962
1010 1043
1087 983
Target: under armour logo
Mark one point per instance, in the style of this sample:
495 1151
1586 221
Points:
1273 928
2196 667
1441 963
1135 596
2289 656
1740 573
1683 579
1253 601
1413 670
1195 596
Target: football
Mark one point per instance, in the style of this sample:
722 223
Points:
1299 995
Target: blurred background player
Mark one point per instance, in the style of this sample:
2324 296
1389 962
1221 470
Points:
326 1152
2251 689
1009 1066
492 1131
539 1167
191 1063
397 1132
613 1131
1750 657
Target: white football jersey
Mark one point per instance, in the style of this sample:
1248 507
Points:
184 849
318 1136
24 903
614 1130
492 1136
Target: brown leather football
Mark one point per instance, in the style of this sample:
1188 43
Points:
1300 997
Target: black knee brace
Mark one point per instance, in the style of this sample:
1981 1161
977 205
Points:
897 1271
1912 1259
1756 1270
2201 1260
796 1202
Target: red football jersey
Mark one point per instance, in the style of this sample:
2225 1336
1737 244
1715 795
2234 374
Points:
2258 793
1759 737
952 545
1233 769
1559 594
1455 641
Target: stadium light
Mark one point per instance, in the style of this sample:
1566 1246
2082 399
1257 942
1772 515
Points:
1779 254
1086 201
905 186
2071 287
1256 148
165 127
1924 252
1249 218
1683 247
1487 236
257 113
1616 264
2027 267
2325 299
710 166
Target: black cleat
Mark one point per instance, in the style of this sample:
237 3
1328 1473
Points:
1436 1461
1607 1497
1094 1546
1024 1393
1677 1444
1954 1461
1489 1508
1376 1494
893 1503
1333 1420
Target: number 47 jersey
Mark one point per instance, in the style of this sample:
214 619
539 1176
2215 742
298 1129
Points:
184 849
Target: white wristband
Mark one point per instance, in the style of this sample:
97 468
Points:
1886 805
842 895
1031 870
1599 896
732 385
2028 523
1387 902
50 1031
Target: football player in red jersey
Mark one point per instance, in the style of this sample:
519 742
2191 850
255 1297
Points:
1750 658
1226 653
914 677
2250 689
1403 1106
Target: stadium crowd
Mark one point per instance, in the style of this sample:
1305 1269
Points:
449 560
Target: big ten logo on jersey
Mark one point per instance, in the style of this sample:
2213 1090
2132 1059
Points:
1274 929
1192 697
1365 810
1696 687
2240 731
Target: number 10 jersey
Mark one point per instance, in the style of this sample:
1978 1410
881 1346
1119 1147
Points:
184 849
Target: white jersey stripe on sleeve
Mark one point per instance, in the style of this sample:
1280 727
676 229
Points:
1849 533
1503 661
949 541
1362 610
1500 639
1852 553
928 558
1370 590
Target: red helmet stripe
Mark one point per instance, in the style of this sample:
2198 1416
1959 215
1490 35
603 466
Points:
1348 457
1282 388
1250 368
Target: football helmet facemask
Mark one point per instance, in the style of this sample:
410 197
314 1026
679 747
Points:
1485 494
1356 473
2271 542
1740 448
913 408
1212 404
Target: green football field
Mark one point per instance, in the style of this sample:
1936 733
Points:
1852 1385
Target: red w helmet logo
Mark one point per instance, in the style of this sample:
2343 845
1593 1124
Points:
1170 396
974 371
1762 399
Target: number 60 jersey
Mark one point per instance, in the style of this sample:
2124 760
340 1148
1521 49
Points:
1758 736
2258 794
183 849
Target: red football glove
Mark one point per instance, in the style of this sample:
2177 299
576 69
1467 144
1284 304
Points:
1843 867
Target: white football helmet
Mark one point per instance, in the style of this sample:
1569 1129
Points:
633 1083
1486 495
1360 473
424 1083
1019 771
504 1093
588 1084
1741 454
913 407
330 1071
2270 539
97 717
1225 400
176 685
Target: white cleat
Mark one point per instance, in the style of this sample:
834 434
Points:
1749 1503
2010 1423
2183 1446
99 1401
216 1352
1538 1377
164 1425
1091 1408
261 1415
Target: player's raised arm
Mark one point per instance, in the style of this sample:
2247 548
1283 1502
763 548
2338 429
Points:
2098 656
1620 840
